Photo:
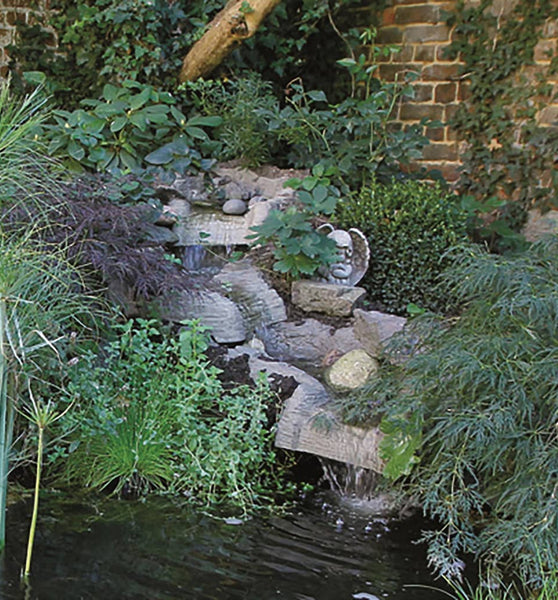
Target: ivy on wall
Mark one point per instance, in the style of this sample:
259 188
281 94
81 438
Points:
509 156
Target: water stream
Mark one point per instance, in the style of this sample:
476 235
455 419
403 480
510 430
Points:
161 550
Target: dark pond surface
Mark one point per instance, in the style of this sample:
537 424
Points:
160 550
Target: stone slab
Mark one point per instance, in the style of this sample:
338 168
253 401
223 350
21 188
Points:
326 298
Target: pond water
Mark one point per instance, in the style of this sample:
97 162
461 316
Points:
159 549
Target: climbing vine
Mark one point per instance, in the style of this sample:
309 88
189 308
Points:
509 159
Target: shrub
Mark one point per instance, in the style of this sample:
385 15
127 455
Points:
410 226
298 247
153 414
130 127
242 105
473 414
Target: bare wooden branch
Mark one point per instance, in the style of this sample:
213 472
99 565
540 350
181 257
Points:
238 21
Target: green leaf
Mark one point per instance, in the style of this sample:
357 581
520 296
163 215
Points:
75 150
201 121
140 99
161 156
110 92
118 124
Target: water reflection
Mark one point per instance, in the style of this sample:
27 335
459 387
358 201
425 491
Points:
160 550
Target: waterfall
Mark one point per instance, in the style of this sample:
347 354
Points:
349 481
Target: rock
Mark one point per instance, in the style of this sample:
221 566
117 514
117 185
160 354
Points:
191 188
327 298
259 303
234 207
308 342
180 207
212 309
160 235
367 332
387 325
209 227
167 219
540 225
308 423
351 371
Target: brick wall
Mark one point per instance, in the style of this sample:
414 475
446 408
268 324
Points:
12 11
419 28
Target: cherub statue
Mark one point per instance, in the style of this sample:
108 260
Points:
353 256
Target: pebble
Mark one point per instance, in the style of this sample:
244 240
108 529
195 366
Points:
235 207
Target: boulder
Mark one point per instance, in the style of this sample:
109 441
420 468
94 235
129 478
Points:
259 303
212 309
351 371
307 342
326 298
386 325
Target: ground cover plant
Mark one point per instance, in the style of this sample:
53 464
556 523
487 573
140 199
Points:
151 414
470 417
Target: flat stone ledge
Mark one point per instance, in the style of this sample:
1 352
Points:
326 298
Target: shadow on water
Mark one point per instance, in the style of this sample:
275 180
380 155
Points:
160 550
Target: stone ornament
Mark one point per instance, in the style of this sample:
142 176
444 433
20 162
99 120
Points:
353 256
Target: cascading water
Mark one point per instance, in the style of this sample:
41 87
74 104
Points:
349 481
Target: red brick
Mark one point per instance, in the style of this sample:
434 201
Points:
416 112
13 17
451 109
388 17
441 53
440 152
435 134
439 72
451 135
445 93
464 91
404 55
390 72
423 93
390 35
425 53
425 13
425 33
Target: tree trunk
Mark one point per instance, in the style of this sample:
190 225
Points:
238 21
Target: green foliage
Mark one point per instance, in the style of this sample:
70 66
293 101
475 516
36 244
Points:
299 249
351 135
153 414
509 156
242 104
481 390
129 128
109 41
410 226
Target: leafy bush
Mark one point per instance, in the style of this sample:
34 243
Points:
110 41
410 226
475 409
129 128
299 249
353 134
242 104
153 414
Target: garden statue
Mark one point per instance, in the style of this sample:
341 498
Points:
353 256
